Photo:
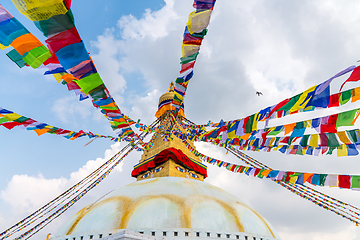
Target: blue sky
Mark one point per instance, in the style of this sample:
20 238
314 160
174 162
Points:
279 48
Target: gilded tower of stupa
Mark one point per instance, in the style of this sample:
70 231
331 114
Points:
169 200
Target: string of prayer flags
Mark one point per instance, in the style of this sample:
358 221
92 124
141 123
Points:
329 180
195 31
9 120
327 202
243 129
346 143
314 144
313 98
71 62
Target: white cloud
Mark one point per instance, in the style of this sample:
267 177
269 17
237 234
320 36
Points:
25 192
68 109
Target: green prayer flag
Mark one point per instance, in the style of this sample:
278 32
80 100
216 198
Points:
35 57
201 34
3 120
345 97
260 173
190 58
355 182
290 104
322 179
299 151
98 92
53 130
16 58
90 82
331 150
273 132
353 135
304 140
295 174
249 124
299 125
21 119
109 108
346 118
332 140
56 24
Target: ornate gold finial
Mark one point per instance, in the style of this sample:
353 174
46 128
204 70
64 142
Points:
171 87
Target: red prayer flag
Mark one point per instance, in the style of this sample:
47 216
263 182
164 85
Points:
278 106
354 77
52 59
11 125
287 179
285 140
72 86
334 100
330 127
324 149
344 181
187 66
323 140
63 39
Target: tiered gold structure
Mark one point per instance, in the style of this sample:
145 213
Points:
169 168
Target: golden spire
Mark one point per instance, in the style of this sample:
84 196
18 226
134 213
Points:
170 167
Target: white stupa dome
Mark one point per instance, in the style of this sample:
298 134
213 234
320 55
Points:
168 206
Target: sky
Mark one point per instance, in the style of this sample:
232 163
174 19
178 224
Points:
278 47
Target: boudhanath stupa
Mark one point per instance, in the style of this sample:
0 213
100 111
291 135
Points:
169 200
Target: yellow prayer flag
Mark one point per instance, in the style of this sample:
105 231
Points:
255 122
40 10
293 180
343 137
314 140
277 148
271 141
303 100
58 76
231 134
189 49
12 116
342 151
308 123
198 21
